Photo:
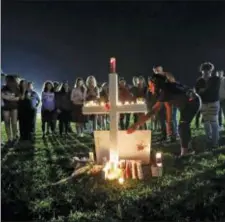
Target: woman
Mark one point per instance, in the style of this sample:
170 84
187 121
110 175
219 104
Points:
78 96
104 97
125 95
173 93
48 107
92 95
63 108
10 97
25 112
139 92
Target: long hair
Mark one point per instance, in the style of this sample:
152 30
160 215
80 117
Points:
134 79
44 88
21 85
62 89
143 79
94 81
11 82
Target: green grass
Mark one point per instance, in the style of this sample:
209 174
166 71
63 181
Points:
192 189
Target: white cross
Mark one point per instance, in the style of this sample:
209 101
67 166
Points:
115 109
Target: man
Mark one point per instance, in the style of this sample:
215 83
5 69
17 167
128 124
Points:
169 131
208 87
35 102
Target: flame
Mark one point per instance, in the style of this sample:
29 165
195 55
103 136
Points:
112 170
121 180
158 155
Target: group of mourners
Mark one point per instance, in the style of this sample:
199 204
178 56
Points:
62 105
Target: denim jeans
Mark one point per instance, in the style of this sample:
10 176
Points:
210 112
174 121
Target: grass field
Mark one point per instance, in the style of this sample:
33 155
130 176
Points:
192 189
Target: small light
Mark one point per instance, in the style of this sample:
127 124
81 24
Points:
158 155
121 180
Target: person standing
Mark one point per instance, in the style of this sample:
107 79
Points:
125 95
92 94
10 96
25 112
78 96
63 108
35 102
48 107
208 87
169 129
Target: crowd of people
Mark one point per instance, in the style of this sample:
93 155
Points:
61 105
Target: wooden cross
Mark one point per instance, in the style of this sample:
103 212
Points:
115 109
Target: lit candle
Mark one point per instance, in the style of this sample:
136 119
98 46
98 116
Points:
126 103
121 180
112 65
102 104
158 158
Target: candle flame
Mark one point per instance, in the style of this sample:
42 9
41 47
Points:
158 155
121 180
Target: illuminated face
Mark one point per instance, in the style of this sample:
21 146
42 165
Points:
122 83
91 81
30 86
158 69
80 83
49 86
141 81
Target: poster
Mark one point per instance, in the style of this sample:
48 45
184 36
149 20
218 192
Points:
136 146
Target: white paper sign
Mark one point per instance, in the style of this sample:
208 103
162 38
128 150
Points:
134 146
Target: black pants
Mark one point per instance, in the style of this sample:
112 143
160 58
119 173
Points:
162 120
47 118
25 123
64 118
186 116
33 121
124 121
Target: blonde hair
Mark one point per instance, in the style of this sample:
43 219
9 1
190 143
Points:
88 80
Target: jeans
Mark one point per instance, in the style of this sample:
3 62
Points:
174 120
210 112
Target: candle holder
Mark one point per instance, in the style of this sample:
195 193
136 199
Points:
157 168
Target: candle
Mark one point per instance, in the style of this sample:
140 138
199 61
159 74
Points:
91 156
158 158
112 65
121 180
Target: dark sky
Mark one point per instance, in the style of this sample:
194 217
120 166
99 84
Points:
63 40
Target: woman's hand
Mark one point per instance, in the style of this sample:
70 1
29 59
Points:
132 129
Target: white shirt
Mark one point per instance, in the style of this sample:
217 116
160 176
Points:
77 96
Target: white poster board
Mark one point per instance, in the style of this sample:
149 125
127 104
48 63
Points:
134 146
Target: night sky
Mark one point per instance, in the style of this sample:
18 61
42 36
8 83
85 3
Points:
63 40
